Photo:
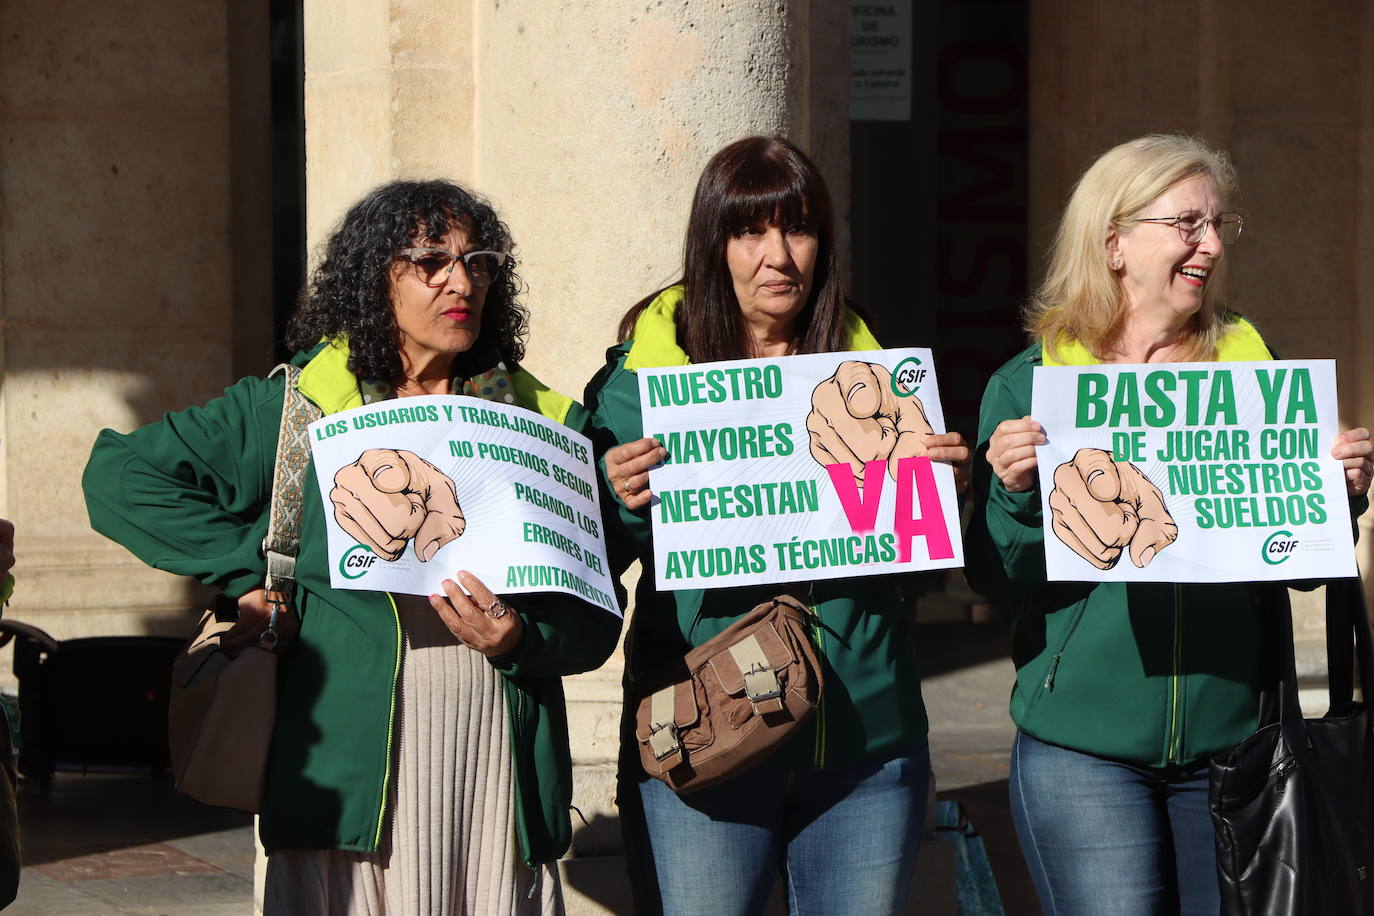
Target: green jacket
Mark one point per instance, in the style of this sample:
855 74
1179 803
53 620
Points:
190 495
1153 674
872 703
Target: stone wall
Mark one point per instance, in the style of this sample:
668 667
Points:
585 125
126 160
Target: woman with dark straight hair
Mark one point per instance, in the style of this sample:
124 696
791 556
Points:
838 808
753 182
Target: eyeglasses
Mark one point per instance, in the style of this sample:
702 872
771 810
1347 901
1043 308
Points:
435 265
1193 228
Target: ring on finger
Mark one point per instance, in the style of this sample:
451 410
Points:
497 609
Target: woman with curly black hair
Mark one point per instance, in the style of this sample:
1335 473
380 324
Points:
420 759
410 222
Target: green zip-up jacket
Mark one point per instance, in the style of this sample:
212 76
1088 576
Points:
1153 674
190 494
872 704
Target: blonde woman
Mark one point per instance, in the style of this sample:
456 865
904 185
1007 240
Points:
1123 692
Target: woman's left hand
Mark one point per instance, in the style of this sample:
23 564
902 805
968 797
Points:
478 618
1354 449
952 449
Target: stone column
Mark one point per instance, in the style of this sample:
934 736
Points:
115 255
586 125
388 94
593 123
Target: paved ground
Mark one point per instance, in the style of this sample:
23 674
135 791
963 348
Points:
966 680
122 844
130 844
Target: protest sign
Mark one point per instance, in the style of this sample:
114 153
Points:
798 468
1192 472
416 489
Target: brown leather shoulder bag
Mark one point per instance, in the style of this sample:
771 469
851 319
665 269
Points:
732 701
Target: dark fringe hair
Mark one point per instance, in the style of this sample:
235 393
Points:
349 294
751 181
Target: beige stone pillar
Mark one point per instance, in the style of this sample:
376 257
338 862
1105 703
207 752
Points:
593 122
115 255
587 126
388 94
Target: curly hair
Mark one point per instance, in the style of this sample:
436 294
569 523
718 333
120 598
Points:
349 294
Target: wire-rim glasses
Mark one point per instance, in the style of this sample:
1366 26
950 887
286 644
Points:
433 266
1192 227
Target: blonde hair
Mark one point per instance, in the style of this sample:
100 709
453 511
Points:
1082 298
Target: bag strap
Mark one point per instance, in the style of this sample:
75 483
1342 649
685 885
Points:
760 680
663 735
1345 620
1290 710
1348 649
283 540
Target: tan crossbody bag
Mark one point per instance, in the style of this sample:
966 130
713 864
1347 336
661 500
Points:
733 700
223 704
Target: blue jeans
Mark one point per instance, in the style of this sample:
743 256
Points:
1113 839
844 840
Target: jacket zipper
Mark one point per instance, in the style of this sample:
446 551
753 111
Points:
1048 683
1049 677
1174 751
517 742
390 724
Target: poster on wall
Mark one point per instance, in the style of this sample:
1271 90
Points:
798 468
416 489
1192 472
880 61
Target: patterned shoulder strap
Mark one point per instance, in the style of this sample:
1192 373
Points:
283 539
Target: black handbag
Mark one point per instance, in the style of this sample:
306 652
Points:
1293 804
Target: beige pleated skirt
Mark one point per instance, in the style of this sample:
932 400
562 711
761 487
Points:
451 848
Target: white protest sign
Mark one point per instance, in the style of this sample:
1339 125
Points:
798 468
1192 472
415 489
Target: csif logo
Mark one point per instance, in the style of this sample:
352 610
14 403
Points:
907 377
1279 547
356 561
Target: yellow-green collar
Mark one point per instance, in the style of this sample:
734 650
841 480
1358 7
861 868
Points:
655 335
1240 343
327 381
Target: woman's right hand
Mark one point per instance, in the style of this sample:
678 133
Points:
1011 452
627 470
254 613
